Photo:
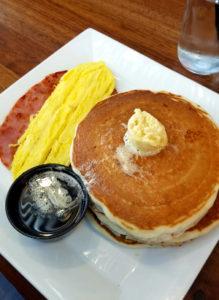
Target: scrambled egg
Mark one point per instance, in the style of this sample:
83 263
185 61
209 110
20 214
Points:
50 133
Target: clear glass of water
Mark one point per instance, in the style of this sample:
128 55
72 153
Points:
198 47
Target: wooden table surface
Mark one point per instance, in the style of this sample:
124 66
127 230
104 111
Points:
32 30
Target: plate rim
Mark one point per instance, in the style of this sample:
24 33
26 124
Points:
93 32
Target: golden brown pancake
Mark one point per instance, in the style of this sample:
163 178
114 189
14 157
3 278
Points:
209 220
205 225
170 191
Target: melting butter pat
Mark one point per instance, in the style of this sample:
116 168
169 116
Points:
145 134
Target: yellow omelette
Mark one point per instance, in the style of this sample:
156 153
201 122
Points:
50 133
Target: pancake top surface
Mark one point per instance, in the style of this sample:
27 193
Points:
166 188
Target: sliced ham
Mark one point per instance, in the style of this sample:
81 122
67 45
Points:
18 118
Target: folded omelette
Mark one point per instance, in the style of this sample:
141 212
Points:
49 135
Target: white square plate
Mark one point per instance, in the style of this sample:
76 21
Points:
84 264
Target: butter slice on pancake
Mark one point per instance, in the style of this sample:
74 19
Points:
167 193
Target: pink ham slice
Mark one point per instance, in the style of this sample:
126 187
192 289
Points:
18 118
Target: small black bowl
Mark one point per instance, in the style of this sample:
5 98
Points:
33 204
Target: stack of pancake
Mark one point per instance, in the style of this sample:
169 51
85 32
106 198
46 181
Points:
170 197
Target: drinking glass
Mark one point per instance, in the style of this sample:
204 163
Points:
198 47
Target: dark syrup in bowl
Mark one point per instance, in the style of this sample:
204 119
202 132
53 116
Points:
50 201
43 205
